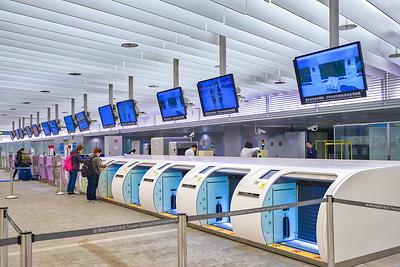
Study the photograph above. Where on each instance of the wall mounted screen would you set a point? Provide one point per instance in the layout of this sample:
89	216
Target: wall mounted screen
333	74
83	121
107	116
46	128
20	133
70	124
28	131
54	127
127	112
12	135
172	104
36	130
218	95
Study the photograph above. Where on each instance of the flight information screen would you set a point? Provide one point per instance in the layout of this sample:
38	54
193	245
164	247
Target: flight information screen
107	116
46	128
69	124
172	104
127	112
82	120
54	128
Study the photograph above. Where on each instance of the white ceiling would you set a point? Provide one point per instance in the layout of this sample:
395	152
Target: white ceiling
43	40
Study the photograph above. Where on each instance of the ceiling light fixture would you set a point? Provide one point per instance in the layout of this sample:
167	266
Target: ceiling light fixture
279	81
396	54
64	112
153	86
347	26
26	103
217	66
3	114
129	45
12	109
45	91
75	74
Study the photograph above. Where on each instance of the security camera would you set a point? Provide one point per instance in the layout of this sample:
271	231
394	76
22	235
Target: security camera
313	128
260	131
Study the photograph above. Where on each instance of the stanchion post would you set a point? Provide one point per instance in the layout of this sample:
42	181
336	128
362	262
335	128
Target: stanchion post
330	231
11	195
60	191
26	249
182	243
3	235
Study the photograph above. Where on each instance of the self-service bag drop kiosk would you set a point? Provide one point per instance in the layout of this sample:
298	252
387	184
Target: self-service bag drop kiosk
107	176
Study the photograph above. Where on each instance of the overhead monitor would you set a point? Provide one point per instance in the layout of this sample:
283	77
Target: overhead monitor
107	116
127	112
333	74
70	124
12	135
172	104
20	133
218	95
36	130
54	127
46	128
83	121
28	131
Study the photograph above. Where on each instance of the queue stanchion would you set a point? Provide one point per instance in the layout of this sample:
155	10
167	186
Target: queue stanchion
330	231
60	183
11	195
182	242
3	235
25	240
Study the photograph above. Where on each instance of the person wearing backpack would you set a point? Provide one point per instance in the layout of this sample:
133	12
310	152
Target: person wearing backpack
95	167
18	160
76	160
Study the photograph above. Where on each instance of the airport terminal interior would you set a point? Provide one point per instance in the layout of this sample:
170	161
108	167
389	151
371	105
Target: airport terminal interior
199	133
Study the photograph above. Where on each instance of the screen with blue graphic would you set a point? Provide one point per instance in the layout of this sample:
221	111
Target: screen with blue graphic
107	116
28	131
35	129
333	74
20	133
127	112
12	135
70	124
46	128
54	127
218	95
82	120
172	104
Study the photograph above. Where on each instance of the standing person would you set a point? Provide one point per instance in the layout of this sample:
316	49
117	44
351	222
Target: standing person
191	152
249	151
311	152
18	160
76	161
93	179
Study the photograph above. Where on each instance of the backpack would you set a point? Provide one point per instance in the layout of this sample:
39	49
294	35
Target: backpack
25	160
68	163
87	168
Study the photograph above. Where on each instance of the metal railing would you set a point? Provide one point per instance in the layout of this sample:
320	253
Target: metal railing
25	239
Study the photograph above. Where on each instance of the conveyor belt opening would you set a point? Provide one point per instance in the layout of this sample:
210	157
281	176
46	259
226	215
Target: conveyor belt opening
110	171
167	186
216	194
294	227
132	184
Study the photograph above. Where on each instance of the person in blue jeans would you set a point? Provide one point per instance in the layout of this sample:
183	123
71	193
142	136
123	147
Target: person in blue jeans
76	161
93	179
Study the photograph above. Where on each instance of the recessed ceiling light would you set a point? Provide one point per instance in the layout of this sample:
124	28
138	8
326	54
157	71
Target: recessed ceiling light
45	91
3	114
153	86
347	27
217	66
129	45
26	102
279	82
75	74
12	109
64	112
396	54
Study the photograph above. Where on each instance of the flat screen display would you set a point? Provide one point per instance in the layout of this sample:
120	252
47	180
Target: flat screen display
12	135
54	127
82	120
107	116
172	104
46	128
127	112
28	131
35	130
20	133
70	124
333	74
218	95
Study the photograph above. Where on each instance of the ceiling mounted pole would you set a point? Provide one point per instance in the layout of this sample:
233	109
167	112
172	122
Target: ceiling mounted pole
13	125
37	118
23	122
30	119
56	111
19	123
85	105
110	93
73	107
176	73
333	23
130	87
48	114
222	55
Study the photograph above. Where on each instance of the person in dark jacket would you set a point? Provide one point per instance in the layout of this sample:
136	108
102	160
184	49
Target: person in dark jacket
18	160
311	152
76	161
93	179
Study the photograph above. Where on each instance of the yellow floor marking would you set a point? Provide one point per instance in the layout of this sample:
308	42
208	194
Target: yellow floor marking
297	251
219	229
168	215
